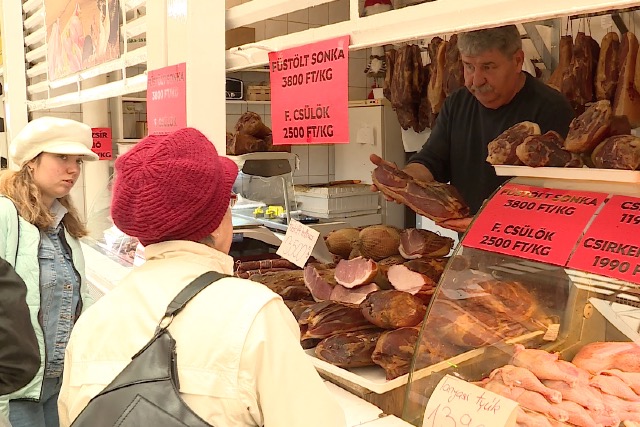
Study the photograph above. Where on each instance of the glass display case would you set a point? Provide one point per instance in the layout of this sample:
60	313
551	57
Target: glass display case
549	265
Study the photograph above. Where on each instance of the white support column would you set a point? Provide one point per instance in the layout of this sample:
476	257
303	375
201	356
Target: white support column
15	78
193	31
206	72
95	194
156	34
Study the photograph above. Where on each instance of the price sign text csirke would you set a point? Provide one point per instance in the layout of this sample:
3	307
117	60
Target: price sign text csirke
541	224
611	245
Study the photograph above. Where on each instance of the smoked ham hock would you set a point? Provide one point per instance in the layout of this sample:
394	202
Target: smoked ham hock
348	349
546	150
502	150
589	129
434	200
392	309
618	152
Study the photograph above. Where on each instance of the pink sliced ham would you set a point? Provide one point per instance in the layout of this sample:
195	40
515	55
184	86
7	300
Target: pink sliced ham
403	279
352	296
355	272
320	285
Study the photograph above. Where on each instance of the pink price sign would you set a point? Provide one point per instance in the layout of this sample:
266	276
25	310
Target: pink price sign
167	99
102	143
541	224
611	245
309	93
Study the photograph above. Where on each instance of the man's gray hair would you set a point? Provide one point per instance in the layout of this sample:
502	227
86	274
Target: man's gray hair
505	39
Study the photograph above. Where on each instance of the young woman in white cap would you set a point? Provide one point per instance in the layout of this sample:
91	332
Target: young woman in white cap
39	222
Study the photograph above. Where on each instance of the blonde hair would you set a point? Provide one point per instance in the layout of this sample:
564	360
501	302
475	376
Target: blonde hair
23	192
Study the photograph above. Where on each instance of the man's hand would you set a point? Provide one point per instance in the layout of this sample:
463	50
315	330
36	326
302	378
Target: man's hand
377	160
460	225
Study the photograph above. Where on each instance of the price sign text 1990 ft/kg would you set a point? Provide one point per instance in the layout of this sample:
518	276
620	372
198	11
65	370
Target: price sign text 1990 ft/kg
611	245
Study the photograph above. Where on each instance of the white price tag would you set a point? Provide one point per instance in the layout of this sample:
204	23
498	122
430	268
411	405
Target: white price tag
455	402
298	243
552	332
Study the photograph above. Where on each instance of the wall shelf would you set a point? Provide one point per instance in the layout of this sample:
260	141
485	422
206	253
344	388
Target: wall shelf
242	101
133	99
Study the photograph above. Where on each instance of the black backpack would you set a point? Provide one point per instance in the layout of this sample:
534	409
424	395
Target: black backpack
19	351
146	392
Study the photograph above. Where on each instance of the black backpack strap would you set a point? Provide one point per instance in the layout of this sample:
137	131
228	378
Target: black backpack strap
191	290
185	295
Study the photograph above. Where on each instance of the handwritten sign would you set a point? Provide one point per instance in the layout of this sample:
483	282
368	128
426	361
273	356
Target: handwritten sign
455	402
298	243
167	99
611	245
102	143
309	93
541	224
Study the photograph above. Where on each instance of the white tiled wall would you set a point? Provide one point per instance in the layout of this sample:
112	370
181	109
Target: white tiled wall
316	161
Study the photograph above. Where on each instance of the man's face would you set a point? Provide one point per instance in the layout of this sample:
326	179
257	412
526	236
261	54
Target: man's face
492	77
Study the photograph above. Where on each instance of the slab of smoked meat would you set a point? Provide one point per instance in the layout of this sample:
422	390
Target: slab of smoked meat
546	150
394	351
390	58
437	49
418	243
590	128
461	327
502	150
564	64
327	318
617	152
453	69
608	69
348	349
393	309
626	101
434	200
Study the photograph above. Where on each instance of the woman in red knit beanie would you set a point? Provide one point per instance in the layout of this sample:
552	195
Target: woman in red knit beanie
239	358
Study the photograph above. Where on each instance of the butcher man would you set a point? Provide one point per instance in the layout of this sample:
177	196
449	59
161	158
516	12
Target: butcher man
496	96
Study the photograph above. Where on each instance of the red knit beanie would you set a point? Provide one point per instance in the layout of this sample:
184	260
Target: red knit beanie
172	187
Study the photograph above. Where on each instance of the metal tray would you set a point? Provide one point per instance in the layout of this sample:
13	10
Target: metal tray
584	174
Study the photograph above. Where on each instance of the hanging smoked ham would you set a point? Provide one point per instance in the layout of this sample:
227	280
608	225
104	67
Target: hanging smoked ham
577	84
453	68
437	49
566	54
627	99
608	68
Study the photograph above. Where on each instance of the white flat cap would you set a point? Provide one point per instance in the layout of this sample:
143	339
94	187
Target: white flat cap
51	135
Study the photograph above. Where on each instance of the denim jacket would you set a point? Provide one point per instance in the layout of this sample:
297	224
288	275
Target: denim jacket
59	294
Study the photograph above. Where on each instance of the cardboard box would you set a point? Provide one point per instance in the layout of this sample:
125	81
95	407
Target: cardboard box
239	36
258	93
